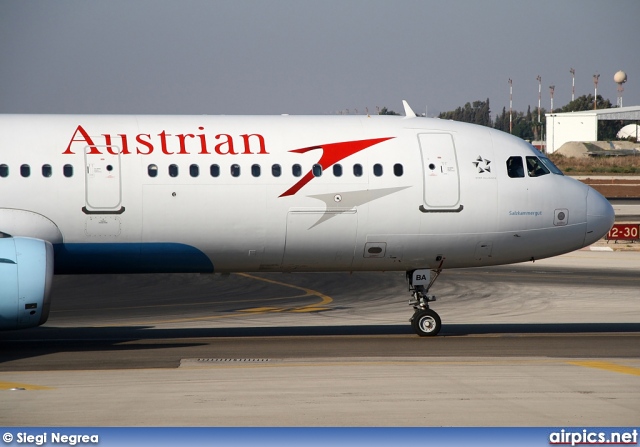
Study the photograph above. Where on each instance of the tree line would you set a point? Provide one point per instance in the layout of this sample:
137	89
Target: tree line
526	125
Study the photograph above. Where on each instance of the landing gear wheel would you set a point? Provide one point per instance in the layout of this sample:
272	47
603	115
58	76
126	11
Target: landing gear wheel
426	323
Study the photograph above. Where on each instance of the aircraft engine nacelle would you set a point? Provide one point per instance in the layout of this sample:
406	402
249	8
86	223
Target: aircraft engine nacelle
26	273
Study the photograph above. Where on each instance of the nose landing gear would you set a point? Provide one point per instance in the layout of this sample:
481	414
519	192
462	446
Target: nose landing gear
425	321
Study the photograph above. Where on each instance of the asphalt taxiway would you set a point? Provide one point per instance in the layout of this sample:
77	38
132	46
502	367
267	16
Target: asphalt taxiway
555	342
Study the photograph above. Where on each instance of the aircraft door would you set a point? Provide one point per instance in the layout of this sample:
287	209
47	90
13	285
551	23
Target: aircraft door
103	185
441	174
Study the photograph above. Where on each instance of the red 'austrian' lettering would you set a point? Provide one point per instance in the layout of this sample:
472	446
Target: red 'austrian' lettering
168	144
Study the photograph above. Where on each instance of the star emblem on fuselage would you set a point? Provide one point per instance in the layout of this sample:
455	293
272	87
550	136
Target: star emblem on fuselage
482	164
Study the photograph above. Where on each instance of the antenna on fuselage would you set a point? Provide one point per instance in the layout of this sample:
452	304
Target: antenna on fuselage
408	111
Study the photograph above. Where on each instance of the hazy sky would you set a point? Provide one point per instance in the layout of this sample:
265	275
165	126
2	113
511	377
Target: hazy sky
309	57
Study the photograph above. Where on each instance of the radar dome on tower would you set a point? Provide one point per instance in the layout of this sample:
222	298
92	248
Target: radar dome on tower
620	77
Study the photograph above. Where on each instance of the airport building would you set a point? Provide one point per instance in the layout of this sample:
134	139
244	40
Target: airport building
583	126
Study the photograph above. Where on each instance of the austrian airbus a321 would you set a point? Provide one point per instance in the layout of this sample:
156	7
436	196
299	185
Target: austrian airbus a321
154	194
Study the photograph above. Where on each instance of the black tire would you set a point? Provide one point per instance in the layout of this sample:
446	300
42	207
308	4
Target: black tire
426	323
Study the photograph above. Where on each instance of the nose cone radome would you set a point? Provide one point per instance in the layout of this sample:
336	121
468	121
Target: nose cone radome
600	217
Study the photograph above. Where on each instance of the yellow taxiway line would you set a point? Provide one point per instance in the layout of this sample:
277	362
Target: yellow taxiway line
22	386
608	366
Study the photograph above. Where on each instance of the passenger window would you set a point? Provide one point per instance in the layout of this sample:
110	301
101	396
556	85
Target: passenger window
152	170
515	168
357	170
4	170
377	169
25	170
337	170
276	170
535	168
317	170
194	170
296	170
214	170
173	170
255	170
235	170
67	170
398	170
47	171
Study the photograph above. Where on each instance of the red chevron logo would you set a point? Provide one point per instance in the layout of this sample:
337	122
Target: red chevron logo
332	153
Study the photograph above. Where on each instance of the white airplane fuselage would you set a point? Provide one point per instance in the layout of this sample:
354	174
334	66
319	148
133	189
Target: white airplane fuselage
127	194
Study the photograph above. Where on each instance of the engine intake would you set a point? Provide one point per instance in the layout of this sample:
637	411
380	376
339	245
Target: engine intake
26	274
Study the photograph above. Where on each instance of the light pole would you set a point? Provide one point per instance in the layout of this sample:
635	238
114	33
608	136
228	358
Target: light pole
573	84
510	103
595	95
539	78
551	90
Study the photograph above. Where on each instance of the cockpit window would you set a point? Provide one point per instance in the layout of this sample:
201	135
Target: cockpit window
515	168
535	168
549	164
